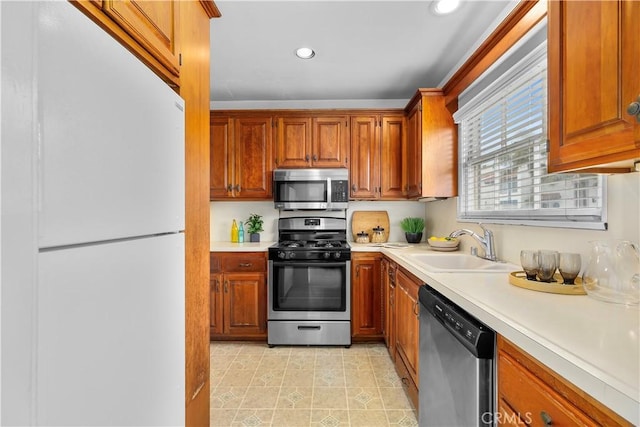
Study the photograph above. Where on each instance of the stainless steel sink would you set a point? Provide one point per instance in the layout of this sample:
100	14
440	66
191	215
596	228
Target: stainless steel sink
460	263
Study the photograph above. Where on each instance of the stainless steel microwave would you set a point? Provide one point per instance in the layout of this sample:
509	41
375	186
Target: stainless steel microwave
317	189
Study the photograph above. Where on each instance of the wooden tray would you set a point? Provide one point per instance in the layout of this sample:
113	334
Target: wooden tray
519	278
367	220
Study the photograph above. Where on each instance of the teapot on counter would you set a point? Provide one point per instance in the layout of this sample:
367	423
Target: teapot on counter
612	273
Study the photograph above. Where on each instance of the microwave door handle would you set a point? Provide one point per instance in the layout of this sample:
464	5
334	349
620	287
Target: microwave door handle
329	200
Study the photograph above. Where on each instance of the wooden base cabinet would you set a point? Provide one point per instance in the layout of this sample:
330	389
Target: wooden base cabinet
531	394
407	332
594	72
367	309
238	295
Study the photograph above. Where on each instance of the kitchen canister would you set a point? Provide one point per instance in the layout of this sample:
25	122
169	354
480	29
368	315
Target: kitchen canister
378	235
362	237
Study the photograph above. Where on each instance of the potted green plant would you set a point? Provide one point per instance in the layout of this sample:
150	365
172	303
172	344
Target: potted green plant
412	228
254	227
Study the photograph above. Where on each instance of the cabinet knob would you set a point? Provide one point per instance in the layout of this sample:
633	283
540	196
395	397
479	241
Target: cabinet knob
634	109
354	188
237	188
229	187
546	418
315	157
307	157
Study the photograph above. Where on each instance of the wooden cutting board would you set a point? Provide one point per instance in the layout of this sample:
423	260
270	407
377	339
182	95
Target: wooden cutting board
367	220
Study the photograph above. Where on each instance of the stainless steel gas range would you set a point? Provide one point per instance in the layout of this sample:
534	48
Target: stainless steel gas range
309	289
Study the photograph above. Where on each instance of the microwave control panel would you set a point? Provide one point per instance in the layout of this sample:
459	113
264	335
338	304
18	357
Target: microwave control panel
339	191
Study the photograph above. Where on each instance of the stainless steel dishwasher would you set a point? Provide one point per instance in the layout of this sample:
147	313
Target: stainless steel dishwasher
456	365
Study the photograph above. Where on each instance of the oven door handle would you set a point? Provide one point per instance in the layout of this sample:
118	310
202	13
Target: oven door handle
310	264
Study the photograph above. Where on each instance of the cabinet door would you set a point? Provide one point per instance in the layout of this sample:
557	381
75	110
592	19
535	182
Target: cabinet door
215	303
329	146
594	75
388	272
253	158
245	304
407	325
365	159
413	153
293	142
366	290
220	170
153	24
392	146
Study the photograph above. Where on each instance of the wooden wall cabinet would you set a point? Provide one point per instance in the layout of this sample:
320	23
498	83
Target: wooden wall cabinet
367	309
388	273
407	332
150	29
238	295
241	157
315	140
593	77
431	153
377	143
154	24
529	393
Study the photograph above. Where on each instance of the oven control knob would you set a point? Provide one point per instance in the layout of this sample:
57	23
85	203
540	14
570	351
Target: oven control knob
292	255
336	255
282	255
326	255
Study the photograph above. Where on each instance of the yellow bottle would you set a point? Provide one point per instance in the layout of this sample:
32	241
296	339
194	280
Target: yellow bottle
234	232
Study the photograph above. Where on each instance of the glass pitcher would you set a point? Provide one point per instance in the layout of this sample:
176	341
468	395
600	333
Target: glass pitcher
612	273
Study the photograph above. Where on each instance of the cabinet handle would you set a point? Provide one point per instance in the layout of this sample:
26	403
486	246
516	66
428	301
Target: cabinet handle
358	271
245	264
416	308
306	157
276	159
226	286
217	286
405	381
229	188
634	109
546	418
315	157
237	188
354	188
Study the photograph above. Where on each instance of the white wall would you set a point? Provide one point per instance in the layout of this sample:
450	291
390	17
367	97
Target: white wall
223	213
623	219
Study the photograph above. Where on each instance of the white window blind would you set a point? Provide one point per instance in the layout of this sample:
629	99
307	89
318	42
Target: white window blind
503	157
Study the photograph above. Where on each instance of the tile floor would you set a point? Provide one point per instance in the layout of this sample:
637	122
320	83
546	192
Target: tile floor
254	385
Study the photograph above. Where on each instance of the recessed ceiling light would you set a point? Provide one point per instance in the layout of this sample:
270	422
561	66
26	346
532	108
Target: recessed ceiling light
442	7
305	53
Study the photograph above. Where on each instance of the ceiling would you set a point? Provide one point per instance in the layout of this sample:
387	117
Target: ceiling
367	52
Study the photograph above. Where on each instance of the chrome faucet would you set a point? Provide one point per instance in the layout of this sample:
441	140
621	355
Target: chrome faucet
486	242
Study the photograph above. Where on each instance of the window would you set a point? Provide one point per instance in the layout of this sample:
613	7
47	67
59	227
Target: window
503	157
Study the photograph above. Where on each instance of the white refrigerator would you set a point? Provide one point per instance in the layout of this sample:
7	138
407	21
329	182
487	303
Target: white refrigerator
109	335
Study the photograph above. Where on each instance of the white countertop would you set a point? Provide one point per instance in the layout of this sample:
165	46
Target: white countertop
593	344
215	246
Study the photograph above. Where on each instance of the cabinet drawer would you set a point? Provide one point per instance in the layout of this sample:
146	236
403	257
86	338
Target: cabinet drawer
407	382
243	262
532	399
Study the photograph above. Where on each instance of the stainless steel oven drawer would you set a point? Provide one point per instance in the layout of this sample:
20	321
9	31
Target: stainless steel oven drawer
284	332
